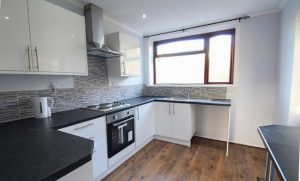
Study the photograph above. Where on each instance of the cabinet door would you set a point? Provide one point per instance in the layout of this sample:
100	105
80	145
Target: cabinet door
145	123
14	36
83	173
163	119
131	55
58	39
131	67
182	121
100	159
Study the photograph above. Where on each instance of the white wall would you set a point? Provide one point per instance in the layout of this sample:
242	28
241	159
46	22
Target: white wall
254	92
289	75
34	82
295	94
255	86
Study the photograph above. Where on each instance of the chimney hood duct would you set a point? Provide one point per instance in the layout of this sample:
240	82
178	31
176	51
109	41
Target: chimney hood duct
95	33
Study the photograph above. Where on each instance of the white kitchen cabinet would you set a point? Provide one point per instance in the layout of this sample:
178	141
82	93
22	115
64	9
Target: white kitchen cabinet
175	121
85	129
14	36
99	158
39	37
129	63
144	123
163	119
183	121
58	39
95	130
83	173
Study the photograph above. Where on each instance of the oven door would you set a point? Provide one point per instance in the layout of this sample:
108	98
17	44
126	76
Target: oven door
120	134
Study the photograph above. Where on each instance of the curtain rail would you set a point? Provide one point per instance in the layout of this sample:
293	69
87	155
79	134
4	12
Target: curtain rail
199	26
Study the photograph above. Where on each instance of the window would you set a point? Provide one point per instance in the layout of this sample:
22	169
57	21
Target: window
199	59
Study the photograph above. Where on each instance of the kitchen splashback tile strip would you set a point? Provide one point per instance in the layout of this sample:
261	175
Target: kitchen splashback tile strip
92	89
88	90
196	92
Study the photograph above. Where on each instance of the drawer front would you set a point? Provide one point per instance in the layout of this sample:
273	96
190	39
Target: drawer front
86	128
98	137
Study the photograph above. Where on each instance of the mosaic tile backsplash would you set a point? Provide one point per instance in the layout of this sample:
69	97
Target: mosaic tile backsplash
88	90
194	92
92	89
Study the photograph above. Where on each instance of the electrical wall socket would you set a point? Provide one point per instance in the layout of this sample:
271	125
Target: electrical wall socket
56	85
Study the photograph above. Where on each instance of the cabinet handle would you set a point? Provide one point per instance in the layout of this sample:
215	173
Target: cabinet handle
124	70
37	58
90	124
28	56
169	109
173	109
138	113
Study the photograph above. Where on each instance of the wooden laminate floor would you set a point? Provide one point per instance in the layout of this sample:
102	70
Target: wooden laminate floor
205	160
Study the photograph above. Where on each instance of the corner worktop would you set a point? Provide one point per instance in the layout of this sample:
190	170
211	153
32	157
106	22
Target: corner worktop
32	149
69	118
282	145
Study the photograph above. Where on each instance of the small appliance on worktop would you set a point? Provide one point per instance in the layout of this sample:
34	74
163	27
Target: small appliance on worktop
41	108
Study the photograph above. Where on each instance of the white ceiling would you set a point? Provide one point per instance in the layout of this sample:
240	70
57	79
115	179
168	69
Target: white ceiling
165	15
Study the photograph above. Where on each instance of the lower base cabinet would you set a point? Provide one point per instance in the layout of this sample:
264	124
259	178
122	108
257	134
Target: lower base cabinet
95	130
83	173
144	123
175	121
99	160
169	121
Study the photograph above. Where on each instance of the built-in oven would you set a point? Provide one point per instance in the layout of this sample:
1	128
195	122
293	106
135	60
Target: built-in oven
120	131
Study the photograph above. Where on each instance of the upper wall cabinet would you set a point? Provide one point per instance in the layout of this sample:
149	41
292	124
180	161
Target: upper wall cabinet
58	38
129	64
14	36
41	38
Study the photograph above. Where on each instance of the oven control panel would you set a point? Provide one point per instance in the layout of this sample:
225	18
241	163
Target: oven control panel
119	115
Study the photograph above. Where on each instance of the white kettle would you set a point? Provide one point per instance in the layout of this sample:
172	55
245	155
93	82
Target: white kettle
41	108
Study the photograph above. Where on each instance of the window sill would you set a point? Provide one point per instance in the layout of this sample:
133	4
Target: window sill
192	85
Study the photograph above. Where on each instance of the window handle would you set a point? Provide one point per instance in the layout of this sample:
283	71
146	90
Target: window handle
124	70
28	54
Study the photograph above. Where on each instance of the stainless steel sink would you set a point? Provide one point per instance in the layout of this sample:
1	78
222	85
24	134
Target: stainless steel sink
174	98
187	99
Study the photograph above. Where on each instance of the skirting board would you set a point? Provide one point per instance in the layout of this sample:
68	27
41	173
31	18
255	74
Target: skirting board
235	142
176	141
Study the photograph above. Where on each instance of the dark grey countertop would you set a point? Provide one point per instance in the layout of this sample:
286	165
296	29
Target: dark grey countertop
68	118
214	102
282	143
32	149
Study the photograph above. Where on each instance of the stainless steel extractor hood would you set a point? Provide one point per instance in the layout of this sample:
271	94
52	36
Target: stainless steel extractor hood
95	33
